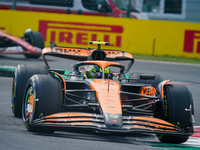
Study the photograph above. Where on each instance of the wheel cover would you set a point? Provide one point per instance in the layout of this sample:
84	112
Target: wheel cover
29	104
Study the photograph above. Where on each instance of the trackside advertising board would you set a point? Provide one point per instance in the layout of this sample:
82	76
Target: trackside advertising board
131	35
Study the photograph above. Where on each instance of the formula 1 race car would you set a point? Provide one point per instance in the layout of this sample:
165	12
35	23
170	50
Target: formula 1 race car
31	44
97	94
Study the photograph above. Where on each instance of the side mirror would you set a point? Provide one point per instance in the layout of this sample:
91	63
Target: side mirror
147	77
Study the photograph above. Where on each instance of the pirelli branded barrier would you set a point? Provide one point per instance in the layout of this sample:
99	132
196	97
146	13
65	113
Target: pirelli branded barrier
135	36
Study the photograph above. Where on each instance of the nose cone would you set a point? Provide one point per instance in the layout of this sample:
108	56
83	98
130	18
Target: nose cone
108	95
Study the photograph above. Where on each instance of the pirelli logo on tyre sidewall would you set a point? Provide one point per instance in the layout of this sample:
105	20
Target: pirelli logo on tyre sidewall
78	33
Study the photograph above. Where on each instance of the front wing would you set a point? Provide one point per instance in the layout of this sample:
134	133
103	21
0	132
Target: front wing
131	124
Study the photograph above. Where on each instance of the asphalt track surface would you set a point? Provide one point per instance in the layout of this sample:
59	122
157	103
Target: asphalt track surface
13	134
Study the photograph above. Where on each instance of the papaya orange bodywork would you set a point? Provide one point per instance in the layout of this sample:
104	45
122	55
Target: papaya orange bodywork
72	114
65	118
108	95
109	101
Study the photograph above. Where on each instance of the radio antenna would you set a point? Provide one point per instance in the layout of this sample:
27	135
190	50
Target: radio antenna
108	84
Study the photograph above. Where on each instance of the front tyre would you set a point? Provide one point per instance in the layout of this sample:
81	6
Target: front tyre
178	111
22	74
42	97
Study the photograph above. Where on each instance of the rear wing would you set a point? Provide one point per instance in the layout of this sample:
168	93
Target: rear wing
84	54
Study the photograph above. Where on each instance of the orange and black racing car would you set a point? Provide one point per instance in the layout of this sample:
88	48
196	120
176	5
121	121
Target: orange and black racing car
99	95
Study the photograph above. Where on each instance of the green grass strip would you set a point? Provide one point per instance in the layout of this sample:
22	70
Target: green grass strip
167	58
7	71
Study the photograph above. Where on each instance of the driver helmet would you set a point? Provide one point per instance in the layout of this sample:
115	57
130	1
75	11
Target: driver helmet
95	72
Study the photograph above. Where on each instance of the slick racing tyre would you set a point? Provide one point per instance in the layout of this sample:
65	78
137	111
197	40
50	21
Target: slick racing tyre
36	39
42	97
154	83
178	111
22	74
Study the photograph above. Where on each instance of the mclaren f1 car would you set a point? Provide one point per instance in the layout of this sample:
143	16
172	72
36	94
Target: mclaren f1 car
31	44
106	100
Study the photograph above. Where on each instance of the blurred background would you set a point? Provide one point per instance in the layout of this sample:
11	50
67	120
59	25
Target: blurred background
150	27
175	10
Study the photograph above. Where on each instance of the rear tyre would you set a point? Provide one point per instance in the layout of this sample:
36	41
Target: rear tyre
36	39
153	83
177	99
22	74
42	97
